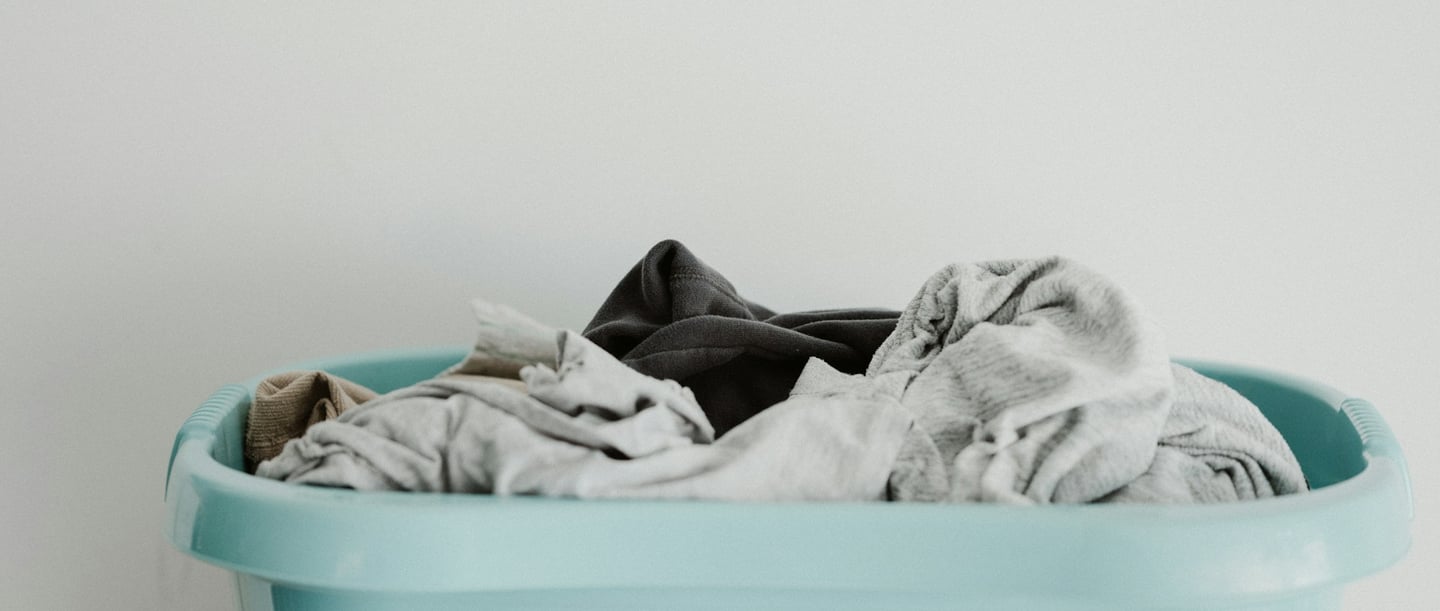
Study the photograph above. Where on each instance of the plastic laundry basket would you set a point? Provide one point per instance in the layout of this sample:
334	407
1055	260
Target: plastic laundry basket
300	547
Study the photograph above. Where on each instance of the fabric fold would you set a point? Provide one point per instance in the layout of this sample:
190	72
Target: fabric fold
593	428
1216	446
674	317
1040	381
506	341
1037	382
1010	381
286	404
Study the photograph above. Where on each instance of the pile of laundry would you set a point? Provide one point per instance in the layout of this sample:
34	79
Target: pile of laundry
1019	381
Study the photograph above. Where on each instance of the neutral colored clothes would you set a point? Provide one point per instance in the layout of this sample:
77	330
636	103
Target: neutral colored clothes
286	404
593	428
917	473
674	317
635	415
1035	382
1041	382
1216	446
1016	381
506	341
514	383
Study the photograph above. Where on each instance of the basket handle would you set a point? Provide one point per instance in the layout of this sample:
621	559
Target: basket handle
1378	439
204	423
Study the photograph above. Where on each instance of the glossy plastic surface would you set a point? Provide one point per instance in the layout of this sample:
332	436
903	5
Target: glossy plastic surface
298	547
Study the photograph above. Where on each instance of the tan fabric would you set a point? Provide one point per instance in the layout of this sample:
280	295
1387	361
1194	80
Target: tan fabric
288	403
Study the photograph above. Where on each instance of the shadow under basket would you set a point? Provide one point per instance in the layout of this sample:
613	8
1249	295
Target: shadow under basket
301	547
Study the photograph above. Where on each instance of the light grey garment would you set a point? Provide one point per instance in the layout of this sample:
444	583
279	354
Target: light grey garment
510	382
594	389
1216	446
918	474
1034	382
594	428
506	342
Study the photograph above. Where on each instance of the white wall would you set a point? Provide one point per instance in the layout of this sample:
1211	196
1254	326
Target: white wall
193	192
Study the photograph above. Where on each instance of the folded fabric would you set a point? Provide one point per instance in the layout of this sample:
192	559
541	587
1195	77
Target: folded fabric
1042	382
673	317
594	392
591	427
916	474
506	341
1035	381
1216	446
286	404
514	383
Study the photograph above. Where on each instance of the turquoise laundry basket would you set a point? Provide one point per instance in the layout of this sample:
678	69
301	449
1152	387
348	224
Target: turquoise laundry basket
299	547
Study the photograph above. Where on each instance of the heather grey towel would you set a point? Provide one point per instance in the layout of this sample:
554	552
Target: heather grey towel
1034	381
593	428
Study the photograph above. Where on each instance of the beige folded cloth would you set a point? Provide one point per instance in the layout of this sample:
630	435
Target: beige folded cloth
288	403
507	342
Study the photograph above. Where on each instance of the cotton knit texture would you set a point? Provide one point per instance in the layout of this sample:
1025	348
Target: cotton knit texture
674	317
506	341
1040	381
593	428
1216	447
286	404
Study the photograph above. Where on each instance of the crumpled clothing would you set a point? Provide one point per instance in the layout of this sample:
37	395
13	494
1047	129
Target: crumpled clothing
674	317
599	393
506	341
1042	382
1216	447
592	428
286	404
1035	381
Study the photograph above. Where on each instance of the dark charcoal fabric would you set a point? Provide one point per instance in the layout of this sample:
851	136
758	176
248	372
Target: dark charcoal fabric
673	317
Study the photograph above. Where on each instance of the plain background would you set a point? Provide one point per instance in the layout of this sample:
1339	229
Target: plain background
196	192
